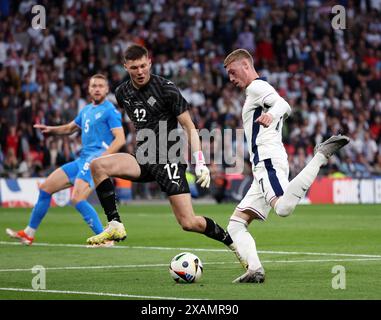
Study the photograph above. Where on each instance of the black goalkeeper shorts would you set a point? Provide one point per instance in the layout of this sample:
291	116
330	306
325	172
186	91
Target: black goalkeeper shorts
170	177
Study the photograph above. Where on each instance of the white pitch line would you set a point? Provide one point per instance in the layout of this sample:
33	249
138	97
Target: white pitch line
320	260
128	266
93	267
123	295
41	244
323	254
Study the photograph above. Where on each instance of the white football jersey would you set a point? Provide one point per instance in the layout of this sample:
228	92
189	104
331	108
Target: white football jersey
264	143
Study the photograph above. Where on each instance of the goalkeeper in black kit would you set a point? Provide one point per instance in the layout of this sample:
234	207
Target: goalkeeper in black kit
151	101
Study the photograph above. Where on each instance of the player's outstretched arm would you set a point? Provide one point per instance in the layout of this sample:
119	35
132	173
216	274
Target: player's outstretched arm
201	170
58	130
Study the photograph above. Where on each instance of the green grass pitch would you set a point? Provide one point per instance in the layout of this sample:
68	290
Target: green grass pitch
298	253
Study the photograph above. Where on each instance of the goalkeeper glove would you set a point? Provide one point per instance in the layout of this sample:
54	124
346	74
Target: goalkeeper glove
201	170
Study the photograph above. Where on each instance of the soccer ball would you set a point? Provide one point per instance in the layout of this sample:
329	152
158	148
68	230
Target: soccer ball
186	267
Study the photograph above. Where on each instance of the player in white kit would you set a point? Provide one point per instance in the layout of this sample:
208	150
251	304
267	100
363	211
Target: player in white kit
263	114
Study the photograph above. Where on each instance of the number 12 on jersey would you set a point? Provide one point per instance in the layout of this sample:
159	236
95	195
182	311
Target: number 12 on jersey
175	168
140	115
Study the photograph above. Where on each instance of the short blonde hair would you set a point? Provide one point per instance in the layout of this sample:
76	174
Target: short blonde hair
99	76
238	54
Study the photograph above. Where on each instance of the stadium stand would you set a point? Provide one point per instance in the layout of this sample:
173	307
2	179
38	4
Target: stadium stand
331	78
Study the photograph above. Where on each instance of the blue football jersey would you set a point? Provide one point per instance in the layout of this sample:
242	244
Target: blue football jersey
96	123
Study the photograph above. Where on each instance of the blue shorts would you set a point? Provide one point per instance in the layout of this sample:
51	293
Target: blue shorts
79	169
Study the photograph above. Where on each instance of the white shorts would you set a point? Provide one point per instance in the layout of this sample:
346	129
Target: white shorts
270	181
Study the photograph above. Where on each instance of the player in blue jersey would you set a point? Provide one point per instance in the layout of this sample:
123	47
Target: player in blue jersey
102	134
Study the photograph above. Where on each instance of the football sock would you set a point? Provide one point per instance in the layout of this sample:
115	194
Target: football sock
297	188
244	242
214	231
90	216
40	209
30	232
107	198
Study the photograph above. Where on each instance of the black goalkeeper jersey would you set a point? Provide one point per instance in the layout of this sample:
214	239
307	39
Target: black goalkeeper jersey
154	106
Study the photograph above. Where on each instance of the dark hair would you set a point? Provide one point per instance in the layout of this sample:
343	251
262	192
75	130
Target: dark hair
135	52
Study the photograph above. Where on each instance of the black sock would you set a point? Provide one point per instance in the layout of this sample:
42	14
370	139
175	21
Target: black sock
214	231
107	198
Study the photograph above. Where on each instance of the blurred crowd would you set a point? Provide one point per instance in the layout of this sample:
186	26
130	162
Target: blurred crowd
331	78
